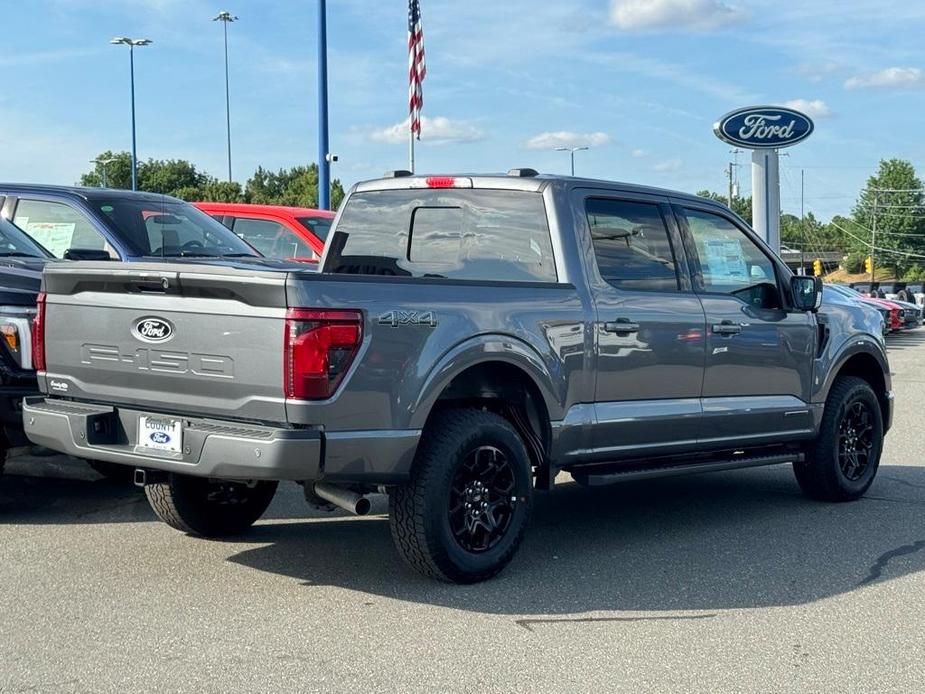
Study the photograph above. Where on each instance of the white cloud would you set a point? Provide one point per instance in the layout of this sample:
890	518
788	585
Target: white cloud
699	15
565	138
817	72
668	166
638	153
814	108
437	131
890	78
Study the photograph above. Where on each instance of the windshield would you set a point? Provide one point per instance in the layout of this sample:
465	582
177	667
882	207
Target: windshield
170	229
319	226
15	242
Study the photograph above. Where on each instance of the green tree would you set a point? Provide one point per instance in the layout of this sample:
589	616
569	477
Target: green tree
297	186
222	191
741	206
118	169
894	197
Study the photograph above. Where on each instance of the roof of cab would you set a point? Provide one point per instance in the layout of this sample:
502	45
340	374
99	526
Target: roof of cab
83	192
529	183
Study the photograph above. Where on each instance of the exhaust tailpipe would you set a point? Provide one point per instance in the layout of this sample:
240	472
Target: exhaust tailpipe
351	502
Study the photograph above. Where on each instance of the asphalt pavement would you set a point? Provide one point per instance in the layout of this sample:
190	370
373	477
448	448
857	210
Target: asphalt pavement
729	582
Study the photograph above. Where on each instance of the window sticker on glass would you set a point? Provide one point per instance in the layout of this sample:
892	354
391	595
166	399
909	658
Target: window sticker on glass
55	236
725	260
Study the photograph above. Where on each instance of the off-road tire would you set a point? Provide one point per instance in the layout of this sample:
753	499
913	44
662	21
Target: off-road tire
197	505
113	471
419	511
821	476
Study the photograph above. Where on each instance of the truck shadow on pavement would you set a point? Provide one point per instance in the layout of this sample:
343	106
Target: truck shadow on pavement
730	540
59	490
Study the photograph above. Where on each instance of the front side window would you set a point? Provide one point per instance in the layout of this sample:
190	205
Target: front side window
631	245
59	227
445	233
319	226
729	262
271	238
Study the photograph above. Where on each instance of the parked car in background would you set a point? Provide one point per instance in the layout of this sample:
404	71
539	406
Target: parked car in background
106	224
871	289
890	316
286	233
911	313
21	263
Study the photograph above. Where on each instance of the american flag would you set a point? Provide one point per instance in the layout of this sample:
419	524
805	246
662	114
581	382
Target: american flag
417	70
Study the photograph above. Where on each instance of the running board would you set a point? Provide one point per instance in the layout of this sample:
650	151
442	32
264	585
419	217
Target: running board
647	473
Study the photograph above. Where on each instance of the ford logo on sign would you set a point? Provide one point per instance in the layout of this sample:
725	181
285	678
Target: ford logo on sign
160	437
764	127
152	329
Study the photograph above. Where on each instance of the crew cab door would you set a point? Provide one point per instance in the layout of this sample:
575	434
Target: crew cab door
759	356
649	328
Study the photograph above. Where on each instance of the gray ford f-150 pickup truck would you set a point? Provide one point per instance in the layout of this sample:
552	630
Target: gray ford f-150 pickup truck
468	338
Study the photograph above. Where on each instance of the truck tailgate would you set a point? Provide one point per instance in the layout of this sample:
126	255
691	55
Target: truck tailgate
167	338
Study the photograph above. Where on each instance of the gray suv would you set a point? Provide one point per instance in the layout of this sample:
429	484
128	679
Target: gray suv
468	338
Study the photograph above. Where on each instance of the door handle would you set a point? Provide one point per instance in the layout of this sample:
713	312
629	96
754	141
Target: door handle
727	327
621	326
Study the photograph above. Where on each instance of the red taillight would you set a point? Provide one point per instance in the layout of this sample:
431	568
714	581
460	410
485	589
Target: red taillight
441	182
38	334
318	349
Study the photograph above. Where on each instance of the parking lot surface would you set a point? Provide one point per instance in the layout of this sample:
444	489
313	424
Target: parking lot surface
723	582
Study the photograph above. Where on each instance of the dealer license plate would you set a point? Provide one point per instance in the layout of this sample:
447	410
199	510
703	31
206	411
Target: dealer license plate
160	433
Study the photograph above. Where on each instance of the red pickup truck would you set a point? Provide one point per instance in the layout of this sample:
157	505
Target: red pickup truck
288	233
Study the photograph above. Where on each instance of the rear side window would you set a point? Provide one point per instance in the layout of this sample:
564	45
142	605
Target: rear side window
450	233
631	245
271	238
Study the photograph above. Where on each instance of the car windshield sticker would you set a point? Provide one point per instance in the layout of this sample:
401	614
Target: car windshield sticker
55	236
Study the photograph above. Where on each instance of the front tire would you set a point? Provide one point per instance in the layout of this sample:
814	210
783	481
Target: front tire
842	462
209	508
462	515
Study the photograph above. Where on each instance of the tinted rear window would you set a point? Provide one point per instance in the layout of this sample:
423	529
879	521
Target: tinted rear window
319	226
453	233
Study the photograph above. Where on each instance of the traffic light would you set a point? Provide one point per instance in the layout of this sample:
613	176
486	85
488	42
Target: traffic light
817	267
868	264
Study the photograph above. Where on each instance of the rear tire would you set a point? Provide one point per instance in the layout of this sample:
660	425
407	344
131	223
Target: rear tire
842	462
209	508
462	515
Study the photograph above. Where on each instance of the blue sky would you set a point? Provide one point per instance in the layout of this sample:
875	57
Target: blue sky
640	81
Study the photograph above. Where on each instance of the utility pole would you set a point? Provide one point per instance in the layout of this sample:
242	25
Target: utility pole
324	162
873	239
802	220
731	175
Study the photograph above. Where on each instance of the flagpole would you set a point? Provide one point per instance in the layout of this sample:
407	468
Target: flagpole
410	148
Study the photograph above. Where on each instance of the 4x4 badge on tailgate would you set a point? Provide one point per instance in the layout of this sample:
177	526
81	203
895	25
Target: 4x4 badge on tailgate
397	318
151	329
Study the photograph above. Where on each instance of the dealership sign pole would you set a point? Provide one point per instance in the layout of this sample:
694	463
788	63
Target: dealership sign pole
765	130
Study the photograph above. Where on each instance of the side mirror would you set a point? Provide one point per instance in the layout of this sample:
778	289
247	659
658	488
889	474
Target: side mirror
86	254
807	292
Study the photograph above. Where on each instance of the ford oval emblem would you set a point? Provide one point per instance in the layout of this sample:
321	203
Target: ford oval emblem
159	437
764	127
152	329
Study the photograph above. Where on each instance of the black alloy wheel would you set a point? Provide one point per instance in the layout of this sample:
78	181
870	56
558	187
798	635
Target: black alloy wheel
482	499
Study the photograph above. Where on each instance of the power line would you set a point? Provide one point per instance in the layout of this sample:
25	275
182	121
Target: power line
877	248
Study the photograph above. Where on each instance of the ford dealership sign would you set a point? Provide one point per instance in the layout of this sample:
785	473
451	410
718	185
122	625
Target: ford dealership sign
764	127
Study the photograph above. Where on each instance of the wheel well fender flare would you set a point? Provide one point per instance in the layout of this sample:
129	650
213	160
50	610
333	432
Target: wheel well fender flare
484	349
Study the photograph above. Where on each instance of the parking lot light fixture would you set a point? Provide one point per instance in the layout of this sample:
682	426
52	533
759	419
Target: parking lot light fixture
571	151
132	44
226	18
103	163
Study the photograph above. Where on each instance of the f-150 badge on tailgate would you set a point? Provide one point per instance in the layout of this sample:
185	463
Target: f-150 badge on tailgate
397	318
152	329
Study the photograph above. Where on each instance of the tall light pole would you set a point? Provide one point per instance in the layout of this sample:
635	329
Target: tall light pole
132	43
103	163
571	151
324	163
226	18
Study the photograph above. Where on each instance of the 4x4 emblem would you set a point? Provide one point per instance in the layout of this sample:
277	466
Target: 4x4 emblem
397	318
